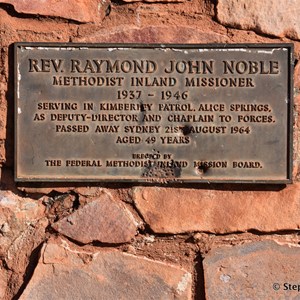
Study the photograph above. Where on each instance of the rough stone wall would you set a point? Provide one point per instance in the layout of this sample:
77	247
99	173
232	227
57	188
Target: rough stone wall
137	242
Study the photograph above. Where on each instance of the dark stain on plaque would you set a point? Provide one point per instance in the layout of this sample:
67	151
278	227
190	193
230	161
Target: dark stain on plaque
186	129
202	169
166	170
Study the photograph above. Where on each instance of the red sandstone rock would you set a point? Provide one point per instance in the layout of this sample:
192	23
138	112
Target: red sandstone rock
154	34
267	17
89	191
17	214
80	10
22	229
63	273
297	99
252	271
3	110
43	190
153	1
2	151
103	220
3	283
297	77
173	210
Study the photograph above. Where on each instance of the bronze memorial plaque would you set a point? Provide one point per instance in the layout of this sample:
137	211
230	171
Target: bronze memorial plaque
153	113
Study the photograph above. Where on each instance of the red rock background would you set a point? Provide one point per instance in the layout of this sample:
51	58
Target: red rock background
136	242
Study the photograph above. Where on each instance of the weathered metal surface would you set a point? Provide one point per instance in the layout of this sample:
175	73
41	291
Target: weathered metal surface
193	113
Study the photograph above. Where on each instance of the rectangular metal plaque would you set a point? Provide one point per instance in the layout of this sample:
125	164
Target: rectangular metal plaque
162	113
